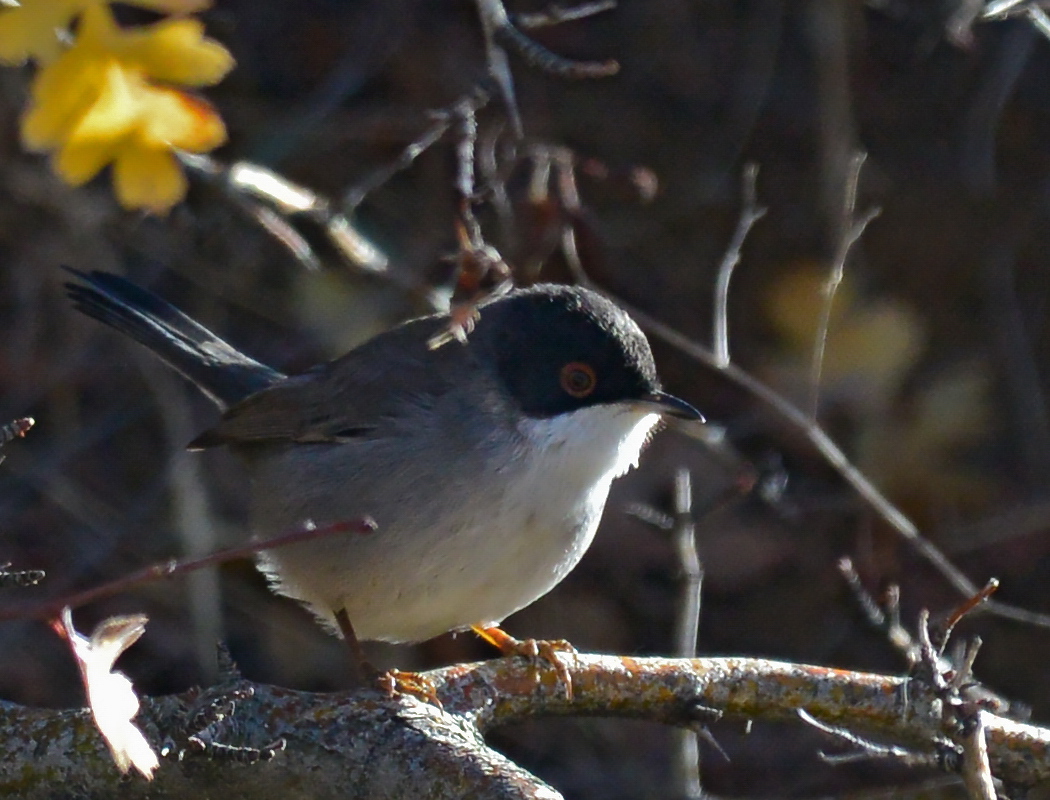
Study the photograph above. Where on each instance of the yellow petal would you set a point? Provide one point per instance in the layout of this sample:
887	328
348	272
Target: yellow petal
148	178
176	51
117	109
97	29
30	30
175	119
77	162
62	93
171	6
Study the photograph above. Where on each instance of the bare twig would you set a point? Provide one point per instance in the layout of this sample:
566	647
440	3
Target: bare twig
192	517
442	121
481	271
278	205
688	620
867	749
1039	19
976	768
539	57
51	608
944	631
889	620
867	603
19	578
750	213
499	33
852	229
15	429
831	452
1000	9
555	14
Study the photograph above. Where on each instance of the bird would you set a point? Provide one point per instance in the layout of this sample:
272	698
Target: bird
486	464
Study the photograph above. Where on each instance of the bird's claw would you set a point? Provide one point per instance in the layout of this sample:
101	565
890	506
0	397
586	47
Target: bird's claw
545	652
397	683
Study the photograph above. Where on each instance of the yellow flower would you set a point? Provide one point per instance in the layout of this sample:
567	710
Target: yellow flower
97	105
31	29
172	6
36	28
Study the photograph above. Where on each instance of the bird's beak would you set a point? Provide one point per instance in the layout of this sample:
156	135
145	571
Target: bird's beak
664	403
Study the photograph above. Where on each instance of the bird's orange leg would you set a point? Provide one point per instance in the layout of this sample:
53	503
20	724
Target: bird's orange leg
542	650
393	681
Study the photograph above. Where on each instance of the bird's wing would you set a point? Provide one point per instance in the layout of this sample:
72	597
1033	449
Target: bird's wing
347	397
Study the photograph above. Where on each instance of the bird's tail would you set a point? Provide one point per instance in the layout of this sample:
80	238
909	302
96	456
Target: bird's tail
223	373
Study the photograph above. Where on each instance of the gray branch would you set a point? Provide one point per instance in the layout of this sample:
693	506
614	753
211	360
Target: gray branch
366	745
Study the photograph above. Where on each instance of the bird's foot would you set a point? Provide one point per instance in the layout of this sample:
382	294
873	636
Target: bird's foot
540	652
397	683
393	681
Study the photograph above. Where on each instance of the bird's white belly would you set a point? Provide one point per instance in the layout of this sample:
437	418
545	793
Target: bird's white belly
492	549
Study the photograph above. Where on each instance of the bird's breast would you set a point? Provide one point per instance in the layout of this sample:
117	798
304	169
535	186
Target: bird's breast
488	533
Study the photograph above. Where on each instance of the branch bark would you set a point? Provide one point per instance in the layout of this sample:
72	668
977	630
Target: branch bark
364	744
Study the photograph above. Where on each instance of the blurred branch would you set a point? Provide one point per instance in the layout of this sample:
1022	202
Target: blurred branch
688	620
682	527
364	744
555	14
1031	9
983	114
829	39
795	418
50	609
192	517
750	213
851	229
15	429
282	207
500	33
19	578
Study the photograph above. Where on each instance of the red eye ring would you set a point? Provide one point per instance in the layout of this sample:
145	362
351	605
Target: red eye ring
578	379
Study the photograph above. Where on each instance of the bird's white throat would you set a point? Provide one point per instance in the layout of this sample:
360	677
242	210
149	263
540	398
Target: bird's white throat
593	443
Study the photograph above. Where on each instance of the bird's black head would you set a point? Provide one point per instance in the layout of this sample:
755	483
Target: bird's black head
560	348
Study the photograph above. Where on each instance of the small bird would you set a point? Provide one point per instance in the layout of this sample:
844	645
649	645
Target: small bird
485	464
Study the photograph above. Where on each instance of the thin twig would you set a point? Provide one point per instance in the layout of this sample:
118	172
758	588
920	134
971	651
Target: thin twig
555	14
867	748
1039	19
51	608
889	620
539	57
876	617
831	452
278	205
967	607
688	620
499	33
1003	8
852	230
750	213
443	120
15	429
192	516
19	578
976	769
481	271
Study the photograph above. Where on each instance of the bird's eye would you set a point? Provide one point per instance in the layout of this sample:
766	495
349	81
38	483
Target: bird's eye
578	379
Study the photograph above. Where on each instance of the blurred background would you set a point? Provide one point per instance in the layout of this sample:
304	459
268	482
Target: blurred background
935	378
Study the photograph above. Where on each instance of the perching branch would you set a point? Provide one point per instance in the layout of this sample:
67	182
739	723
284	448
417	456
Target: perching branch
364	744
